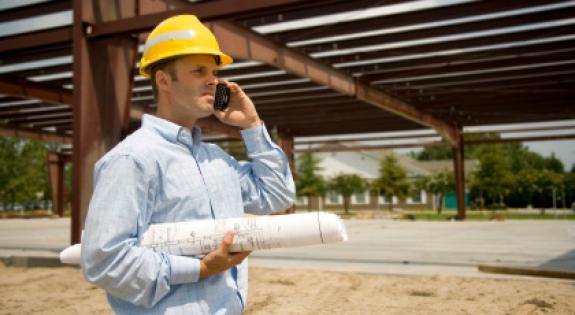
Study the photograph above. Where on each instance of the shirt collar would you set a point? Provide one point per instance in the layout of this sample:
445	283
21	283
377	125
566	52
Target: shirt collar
171	131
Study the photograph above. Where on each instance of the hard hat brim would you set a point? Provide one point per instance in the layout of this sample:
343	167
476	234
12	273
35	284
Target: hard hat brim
145	65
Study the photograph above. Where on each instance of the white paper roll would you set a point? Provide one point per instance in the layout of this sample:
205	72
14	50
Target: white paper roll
251	233
71	255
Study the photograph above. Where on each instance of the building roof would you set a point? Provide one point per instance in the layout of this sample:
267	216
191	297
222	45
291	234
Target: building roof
367	163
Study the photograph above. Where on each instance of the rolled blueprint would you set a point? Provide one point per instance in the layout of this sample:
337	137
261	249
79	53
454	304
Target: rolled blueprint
250	233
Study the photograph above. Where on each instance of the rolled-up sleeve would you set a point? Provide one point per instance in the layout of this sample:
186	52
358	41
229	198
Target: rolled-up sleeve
111	257
266	181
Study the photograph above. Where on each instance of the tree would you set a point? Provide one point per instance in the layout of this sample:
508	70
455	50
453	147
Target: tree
8	170
521	158
438	184
554	164
308	182
493	180
392	180
23	172
547	181
446	153
433	153
347	185
569	187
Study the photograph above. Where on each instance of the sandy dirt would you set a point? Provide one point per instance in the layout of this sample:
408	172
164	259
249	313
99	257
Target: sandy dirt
64	291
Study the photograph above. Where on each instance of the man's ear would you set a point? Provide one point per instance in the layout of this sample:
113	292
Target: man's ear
163	80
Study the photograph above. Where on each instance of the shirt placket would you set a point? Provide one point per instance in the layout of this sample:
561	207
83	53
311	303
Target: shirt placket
197	153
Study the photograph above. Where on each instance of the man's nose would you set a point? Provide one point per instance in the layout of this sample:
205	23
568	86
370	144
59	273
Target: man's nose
213	80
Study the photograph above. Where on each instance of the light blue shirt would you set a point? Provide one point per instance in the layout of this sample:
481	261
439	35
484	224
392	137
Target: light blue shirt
165	173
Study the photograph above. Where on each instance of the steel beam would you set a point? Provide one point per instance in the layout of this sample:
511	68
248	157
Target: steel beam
246	44
514	130
380	138
464	43
441	70
43	52
37	39
429	15
35	90
375	147
154	13
28	133
317	8
41	118
448	30
103	71
29	11
534	49
34	113
425	144
523	139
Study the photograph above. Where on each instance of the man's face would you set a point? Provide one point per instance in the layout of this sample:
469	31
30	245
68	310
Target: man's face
193	89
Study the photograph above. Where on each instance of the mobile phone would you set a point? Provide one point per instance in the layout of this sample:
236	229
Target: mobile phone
222	97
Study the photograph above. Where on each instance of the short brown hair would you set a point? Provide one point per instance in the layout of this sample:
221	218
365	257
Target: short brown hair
168	66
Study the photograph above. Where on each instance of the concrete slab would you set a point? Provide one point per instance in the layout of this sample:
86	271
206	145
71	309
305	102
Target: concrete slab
378	246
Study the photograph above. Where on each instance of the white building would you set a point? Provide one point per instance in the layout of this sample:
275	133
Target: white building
366	164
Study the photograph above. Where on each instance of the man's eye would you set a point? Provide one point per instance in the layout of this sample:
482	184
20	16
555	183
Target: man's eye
215	73
199	71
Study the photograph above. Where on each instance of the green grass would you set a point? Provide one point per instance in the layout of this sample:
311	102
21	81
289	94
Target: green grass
431	215
499	215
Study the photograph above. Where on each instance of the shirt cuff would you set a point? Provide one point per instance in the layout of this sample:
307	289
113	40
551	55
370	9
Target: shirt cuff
257	139
183	269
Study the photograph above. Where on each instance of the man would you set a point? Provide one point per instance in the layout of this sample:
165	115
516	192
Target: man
164	173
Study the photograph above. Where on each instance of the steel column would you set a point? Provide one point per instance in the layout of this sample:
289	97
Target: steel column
286	143
56	166
458	169
102	91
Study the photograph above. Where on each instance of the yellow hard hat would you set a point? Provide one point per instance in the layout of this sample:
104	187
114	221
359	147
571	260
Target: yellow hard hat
177	36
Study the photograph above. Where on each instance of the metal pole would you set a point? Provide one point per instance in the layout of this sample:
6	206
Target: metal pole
554	198
458	169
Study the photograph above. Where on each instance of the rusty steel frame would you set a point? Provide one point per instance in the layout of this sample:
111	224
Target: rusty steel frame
246	44
105	36
103	71
154	13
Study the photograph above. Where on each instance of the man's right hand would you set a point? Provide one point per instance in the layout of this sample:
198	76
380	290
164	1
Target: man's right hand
221	259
